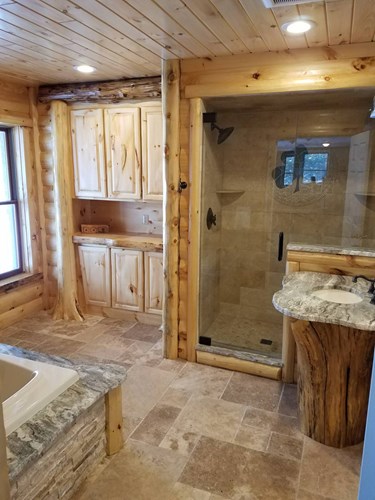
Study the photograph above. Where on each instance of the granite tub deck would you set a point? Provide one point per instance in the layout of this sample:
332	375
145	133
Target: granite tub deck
34	438
335	250
295	300
335	345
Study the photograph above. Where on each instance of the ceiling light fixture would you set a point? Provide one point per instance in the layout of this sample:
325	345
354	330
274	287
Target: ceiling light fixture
84	68
326	144
298	27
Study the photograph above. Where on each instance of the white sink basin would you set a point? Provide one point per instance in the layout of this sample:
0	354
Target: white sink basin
336	295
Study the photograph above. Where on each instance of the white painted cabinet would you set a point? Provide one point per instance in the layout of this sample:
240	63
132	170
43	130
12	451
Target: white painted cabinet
123	151
153	282
152	153
88	153
127	279
95	268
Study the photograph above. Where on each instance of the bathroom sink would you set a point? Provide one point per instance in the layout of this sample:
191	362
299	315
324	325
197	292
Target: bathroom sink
337	296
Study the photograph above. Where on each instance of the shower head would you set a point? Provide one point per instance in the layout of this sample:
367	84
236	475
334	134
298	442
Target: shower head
224	133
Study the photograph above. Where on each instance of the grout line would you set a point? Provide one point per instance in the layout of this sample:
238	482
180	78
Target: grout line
269	440
226	385
300	468
280	398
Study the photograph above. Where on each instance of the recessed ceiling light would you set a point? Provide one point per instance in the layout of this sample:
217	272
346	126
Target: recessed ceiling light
326	144
84	68
298	27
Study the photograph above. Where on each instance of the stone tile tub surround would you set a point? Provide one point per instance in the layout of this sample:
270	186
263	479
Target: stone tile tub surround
295	300
30	441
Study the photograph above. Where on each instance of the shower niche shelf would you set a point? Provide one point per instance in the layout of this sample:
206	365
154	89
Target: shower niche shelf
230	191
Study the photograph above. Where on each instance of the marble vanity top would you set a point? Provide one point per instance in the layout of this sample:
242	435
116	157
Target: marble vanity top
30	441
296	300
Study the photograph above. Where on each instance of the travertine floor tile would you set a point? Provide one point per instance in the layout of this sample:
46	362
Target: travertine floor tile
330	471
285	446
59	346
305	495
139	472
272	421
288	403
201	379
172	365
252	437
183	491
134	352
146	333
176	397
142	389
100	351
114	341
34	337
180	441
156	424
211	417
236	472
253	391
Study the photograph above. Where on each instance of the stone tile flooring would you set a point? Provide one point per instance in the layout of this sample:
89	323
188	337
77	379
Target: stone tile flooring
195	432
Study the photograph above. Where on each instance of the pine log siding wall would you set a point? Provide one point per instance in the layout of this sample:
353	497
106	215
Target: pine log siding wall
17	108
46	161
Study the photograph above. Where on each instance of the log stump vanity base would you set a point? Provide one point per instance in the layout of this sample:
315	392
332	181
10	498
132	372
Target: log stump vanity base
334	374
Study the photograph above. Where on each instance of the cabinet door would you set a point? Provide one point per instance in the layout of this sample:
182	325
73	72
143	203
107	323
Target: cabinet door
88	153
122	127
95	267
127	279
154	279
152	153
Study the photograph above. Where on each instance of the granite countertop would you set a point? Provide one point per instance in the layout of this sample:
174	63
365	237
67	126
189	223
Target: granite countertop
295	300
355	251
30	441
138	241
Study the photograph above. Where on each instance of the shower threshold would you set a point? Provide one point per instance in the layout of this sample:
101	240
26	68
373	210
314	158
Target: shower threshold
243	355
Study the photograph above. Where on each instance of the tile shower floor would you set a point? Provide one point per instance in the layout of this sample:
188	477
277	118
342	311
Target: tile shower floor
193	431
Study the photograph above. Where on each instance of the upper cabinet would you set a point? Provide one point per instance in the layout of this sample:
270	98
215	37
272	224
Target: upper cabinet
88	153
152	153
123	150
118	153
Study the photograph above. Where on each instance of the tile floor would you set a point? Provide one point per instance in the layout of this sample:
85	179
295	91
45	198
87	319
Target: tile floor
193	431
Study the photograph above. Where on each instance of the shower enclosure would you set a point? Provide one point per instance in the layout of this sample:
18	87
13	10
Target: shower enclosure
295	168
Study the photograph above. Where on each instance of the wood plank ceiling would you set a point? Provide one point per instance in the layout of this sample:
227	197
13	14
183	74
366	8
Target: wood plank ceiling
41	40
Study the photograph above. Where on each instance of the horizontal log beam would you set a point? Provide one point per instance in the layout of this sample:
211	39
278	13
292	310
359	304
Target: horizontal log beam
103	92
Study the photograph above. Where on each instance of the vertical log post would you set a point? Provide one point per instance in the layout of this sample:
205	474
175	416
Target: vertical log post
66	306
171	203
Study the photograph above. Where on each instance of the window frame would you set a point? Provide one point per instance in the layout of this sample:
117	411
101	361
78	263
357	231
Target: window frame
14	201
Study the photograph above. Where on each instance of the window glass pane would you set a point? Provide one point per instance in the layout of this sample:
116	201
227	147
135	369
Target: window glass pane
289	170
5	192
9	259
315	167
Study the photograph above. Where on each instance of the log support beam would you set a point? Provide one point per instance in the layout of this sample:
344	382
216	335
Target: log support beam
334	375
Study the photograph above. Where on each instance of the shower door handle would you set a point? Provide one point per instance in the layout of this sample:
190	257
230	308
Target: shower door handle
281	247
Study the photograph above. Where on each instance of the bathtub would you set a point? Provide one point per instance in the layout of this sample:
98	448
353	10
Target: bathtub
28	386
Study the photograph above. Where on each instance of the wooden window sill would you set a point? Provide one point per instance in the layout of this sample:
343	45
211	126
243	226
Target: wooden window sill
19	280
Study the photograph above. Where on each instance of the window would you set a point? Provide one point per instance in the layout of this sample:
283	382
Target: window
10	246
313	167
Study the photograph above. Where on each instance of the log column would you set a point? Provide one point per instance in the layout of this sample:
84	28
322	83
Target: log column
67	303
334	365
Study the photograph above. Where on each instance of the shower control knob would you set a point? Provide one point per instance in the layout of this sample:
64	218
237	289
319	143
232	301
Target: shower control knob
210	219
182	185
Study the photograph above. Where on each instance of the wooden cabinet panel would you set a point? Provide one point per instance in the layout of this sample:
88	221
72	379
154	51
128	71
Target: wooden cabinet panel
95	267
88	153
123	140
154	279
152	153
127	279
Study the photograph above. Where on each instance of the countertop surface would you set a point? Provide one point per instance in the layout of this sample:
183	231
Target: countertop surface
336	250
295	300
30	441
136	241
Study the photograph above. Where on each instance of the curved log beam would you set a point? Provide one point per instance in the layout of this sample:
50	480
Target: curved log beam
334	374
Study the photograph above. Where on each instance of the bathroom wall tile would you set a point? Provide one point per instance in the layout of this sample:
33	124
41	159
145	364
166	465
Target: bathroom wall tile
202	380
180	441
253	391
252	437
272	421
211	417
285	446
156	424
330	472
235	472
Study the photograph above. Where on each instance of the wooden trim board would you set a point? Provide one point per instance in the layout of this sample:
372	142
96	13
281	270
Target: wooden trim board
239	365
113	420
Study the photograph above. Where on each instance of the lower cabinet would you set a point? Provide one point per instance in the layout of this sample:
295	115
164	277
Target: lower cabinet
122	278
127	279
95	267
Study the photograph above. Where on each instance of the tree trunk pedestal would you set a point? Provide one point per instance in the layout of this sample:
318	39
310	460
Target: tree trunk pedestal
334	375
